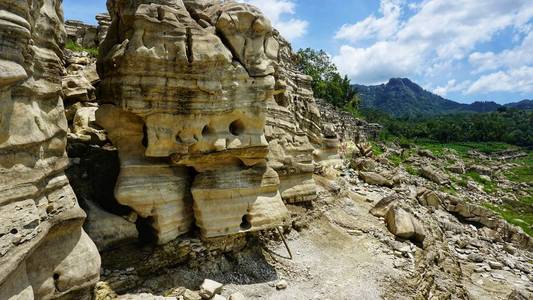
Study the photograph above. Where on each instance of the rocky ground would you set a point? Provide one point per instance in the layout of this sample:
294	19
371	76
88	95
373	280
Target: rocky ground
446	246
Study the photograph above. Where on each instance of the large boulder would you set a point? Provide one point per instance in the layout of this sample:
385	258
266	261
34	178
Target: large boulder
403	225
376	179
434	175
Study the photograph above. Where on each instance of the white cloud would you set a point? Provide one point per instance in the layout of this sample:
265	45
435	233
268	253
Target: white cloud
277	11
510	58
438	35
515	80
371	27
451	86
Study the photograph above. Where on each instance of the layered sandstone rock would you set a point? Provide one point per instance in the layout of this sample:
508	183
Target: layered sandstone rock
293	128
104	21
81	33
44	253
182	100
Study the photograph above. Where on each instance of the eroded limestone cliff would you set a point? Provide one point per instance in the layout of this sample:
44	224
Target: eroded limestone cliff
41	239
202	104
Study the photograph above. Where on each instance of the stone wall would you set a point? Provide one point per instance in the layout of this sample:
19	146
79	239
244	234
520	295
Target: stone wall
44	252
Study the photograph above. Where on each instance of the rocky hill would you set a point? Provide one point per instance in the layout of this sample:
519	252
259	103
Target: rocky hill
401	97
190	160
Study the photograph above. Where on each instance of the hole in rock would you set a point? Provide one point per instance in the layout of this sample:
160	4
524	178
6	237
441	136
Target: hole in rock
14	231
282	100
145	136
236	127
56	276
206	130
178	139
145	229
245	224
71	84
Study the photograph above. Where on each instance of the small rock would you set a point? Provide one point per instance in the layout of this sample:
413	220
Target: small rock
475	257
209	288
218	297
495	265
282	284
190	295
237	296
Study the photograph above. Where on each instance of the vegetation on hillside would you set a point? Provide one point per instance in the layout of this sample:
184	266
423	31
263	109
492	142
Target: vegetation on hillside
327	83
71	45
505	126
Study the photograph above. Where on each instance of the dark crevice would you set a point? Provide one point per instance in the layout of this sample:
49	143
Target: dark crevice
188	49
245	224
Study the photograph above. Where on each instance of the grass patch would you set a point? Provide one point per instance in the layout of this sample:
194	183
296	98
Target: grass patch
71	45
514	215
376	149
395	159
463	148
411	170
488	185
524	172
449	190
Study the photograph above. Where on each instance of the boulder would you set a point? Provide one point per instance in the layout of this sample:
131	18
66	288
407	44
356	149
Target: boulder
210	288
426	153
282	284
429	198
382	207
375	179
399	223
482	170
457	168
403	225
434	175
108	230
363	164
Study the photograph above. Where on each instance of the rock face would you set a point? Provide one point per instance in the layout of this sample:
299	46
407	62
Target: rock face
348	128
44	252
88	36
82	34
185	89
292	129
104	21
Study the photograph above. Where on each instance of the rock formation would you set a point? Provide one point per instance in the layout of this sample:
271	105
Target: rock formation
185	89
292	129
104	21
82	34
44	252
88	36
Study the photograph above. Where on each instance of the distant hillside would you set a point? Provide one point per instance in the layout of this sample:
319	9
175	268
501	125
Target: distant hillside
402	97
524	104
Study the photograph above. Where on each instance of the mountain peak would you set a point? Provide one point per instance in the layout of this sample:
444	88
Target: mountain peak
403	97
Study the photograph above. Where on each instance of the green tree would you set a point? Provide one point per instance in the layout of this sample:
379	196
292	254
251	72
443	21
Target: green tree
327	83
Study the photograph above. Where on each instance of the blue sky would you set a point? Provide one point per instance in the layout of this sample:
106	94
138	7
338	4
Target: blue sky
464	50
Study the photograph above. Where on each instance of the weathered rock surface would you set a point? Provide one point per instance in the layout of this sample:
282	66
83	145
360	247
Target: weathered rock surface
349	129
434	175
292	128
44	252
178	97
82	34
